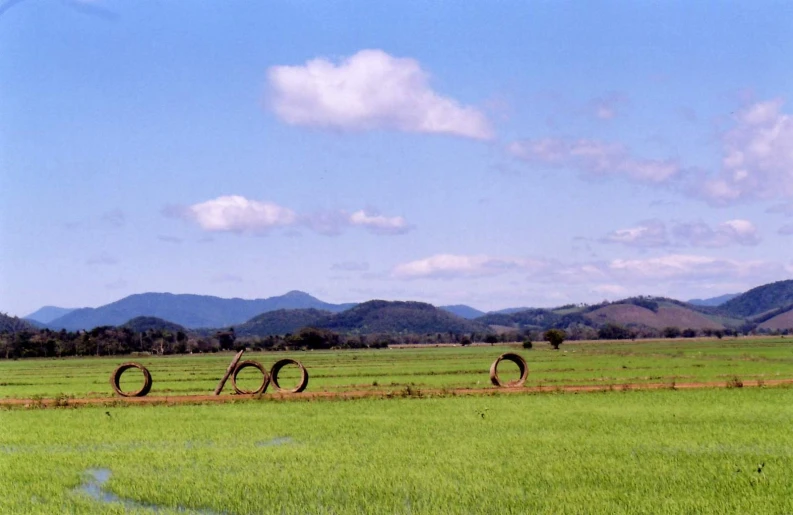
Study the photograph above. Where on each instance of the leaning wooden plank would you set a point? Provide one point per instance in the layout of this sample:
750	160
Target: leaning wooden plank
232	366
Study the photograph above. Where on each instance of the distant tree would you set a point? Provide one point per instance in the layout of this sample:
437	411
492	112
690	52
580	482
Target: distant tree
465	341
689	333
612	331
491	339
555	337
671	332
226	339
527	344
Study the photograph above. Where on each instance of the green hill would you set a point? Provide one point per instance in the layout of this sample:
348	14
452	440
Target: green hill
13	324
280	322
760	300
143	324
380	316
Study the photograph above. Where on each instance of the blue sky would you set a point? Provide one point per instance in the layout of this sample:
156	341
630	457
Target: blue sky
488	153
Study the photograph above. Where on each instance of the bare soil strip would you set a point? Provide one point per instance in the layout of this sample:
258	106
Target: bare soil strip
359	394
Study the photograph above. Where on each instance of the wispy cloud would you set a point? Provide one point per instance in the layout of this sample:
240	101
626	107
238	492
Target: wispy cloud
369	90
595	158
786	230
785	209
227	278
650	233
653	233
450	266
608	106
615	275
350	266
731	232
237	214
101	259
115	218
169	239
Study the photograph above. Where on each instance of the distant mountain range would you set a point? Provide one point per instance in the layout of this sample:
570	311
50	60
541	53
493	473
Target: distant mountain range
714	301
463	311
47	314
191	311
769	306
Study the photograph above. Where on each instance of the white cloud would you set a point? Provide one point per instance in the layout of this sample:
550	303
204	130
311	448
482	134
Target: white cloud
688	267
651	233
757	158
448	266
235	213
655	275
595	158
786	230
369	90
732	232
379	224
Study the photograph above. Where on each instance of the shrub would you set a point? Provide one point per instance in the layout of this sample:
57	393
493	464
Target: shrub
527	344
555	337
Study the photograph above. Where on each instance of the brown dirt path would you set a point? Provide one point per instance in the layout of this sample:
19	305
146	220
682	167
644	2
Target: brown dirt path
359	394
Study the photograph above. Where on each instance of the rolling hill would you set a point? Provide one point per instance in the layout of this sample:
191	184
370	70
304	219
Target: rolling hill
143	324
779	322
665	315
762	299
191	311
380	316
280	322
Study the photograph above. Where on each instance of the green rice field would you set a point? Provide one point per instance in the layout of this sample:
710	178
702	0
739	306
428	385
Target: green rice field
385	370
710	450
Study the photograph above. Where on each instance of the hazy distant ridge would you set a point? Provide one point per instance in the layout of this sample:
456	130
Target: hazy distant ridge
192	311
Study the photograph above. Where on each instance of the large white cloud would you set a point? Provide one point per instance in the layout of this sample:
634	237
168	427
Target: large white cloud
757	157
595	158
235	213
369	90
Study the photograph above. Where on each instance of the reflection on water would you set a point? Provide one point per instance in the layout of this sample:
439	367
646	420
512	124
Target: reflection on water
280	440
96	479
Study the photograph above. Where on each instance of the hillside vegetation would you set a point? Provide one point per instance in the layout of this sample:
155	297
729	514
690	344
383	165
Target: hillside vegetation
280	322
13	324
380	316
761	299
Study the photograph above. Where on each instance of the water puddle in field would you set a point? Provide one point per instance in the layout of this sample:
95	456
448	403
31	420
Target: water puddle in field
93	487
281	440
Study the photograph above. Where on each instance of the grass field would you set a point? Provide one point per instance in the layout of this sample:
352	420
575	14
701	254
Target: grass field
595	363
660	451
716	450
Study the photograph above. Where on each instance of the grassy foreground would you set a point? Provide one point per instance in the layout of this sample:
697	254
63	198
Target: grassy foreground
585	363
665	451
